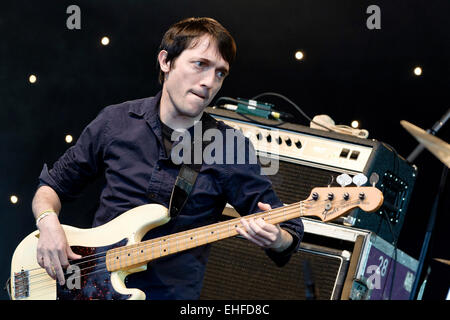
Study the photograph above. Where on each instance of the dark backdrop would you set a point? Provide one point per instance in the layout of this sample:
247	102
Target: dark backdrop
349	72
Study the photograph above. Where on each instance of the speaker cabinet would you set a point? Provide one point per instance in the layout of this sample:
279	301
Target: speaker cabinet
333	263
237	269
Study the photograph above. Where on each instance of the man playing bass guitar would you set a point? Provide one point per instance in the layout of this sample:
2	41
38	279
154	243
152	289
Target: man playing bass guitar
130	144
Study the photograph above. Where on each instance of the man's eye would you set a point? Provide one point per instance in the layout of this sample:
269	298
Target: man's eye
221	74
199	63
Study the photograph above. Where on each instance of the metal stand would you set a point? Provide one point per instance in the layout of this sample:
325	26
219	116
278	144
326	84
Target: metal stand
430	227
432	218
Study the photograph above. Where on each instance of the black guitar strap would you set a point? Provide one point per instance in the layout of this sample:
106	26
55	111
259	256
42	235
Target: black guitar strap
188	173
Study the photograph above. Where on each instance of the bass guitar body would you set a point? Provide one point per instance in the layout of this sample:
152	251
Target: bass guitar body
89	278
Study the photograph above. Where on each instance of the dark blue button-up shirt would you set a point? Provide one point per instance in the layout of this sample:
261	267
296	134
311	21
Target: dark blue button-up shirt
125	144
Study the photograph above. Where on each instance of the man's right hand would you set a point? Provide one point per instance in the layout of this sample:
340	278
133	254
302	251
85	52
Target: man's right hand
53	251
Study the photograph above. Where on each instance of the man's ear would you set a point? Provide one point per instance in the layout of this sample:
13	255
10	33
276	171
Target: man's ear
164	65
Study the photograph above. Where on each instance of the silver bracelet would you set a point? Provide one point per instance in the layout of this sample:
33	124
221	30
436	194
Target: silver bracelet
43	215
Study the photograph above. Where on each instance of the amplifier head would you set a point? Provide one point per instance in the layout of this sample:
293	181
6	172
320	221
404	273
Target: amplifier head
308	158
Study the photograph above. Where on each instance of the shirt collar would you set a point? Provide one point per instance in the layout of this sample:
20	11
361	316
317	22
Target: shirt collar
148	108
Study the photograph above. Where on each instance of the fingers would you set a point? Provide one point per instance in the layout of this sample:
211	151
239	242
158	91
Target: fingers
264	206
48	267
40	259
250	235
60	259
53	257
53	262
72	255
259	232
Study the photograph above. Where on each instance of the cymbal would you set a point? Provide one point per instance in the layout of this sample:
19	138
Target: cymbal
442	260
436	146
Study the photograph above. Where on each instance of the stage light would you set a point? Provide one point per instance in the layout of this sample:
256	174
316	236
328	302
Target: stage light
105	41
69	138
417	71
355	124
299	55
32	78
13	199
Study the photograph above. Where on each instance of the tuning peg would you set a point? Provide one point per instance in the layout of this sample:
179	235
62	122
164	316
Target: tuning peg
374	178
359	179
344	180
330	181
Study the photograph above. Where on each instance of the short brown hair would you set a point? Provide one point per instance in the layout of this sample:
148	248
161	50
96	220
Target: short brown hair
181	34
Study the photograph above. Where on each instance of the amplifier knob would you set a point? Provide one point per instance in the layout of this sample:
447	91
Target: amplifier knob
279	141
298	144
315	196
269	138
288	142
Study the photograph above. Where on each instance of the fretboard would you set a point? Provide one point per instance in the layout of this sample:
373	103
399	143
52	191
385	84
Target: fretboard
138	254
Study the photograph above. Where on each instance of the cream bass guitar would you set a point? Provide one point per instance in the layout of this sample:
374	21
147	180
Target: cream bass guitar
114	250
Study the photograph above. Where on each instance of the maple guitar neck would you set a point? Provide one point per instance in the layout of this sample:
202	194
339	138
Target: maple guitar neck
324	203
143	252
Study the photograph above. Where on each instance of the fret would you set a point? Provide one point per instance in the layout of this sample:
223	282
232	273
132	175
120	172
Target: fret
301	208
153	251
128	256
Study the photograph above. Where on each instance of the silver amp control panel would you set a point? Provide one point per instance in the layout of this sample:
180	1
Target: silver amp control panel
304	147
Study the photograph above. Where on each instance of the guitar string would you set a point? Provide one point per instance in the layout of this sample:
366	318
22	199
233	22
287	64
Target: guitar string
272	214
101	253
51	286
269	213
156	243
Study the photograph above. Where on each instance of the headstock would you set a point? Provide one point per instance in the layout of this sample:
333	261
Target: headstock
330	203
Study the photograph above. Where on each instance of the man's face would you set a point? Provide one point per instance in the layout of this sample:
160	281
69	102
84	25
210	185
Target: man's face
194	77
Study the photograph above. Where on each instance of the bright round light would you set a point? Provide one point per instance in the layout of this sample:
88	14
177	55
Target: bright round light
417	71
69	138
105	41
14	199
355	124
32	78
299	55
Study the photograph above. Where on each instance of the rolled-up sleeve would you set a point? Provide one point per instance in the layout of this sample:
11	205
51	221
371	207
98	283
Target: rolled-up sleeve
80	164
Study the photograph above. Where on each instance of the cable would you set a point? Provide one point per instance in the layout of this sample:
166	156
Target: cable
243	102
396	169
253	106
332	128
293	104
395	256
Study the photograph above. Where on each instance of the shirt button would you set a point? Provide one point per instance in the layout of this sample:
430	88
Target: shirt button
152	195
